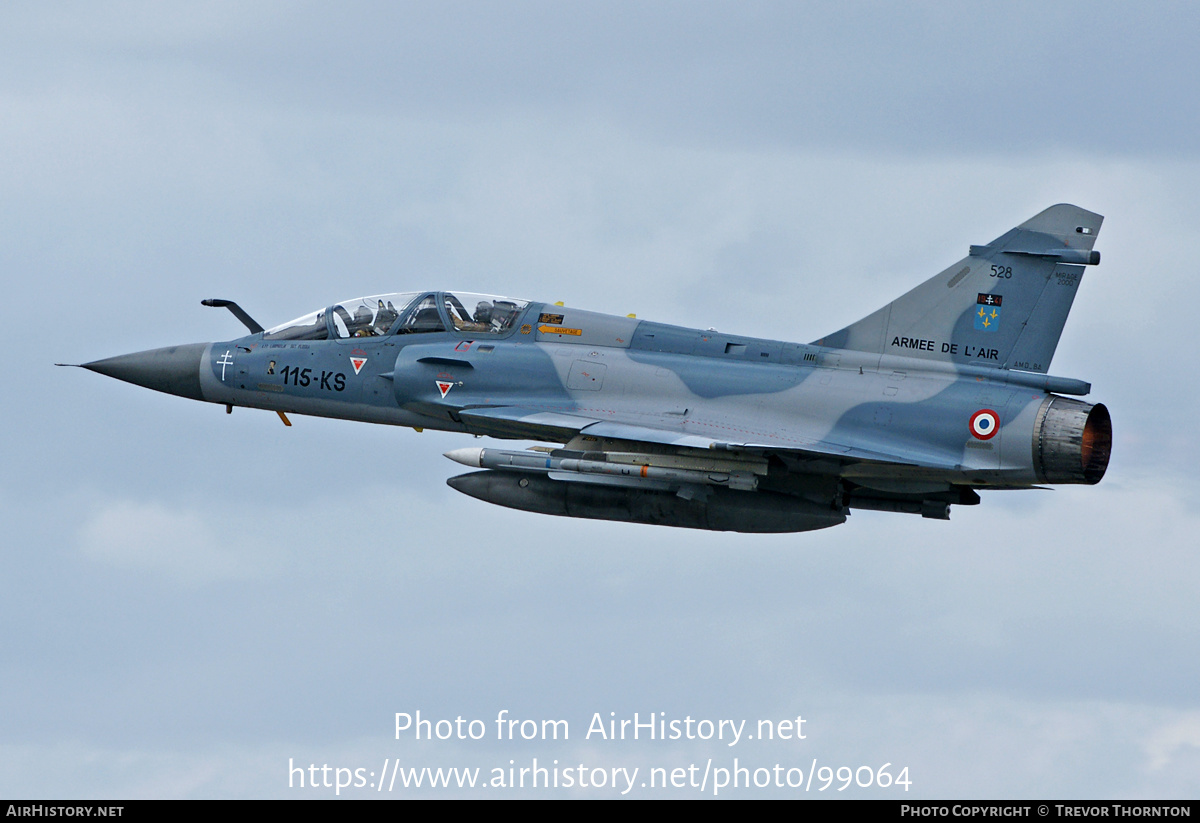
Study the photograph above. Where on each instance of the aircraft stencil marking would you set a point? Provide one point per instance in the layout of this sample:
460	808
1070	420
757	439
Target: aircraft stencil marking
692	428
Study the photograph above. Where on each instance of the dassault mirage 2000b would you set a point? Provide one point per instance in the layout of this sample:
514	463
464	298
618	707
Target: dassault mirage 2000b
915	408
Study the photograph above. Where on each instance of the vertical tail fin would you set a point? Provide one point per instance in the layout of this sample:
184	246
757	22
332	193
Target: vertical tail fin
1003	305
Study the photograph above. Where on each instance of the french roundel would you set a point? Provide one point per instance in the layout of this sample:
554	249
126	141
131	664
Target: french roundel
984	424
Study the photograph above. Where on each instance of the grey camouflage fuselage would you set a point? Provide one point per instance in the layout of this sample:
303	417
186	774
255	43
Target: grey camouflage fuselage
939	394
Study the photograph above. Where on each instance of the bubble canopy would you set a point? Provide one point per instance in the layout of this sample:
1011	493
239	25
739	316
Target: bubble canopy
404	313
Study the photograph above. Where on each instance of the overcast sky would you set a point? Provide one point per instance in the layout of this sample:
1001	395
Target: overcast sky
193	600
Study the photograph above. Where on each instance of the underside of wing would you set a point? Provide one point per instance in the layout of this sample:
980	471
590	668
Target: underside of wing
520	423
512	422
612	469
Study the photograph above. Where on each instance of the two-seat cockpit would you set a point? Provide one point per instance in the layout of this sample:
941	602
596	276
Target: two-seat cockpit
405	313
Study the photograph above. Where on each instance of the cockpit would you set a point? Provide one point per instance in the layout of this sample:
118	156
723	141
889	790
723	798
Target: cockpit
405	313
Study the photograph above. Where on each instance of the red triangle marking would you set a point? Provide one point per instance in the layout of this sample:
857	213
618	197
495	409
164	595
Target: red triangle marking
444	387
358	363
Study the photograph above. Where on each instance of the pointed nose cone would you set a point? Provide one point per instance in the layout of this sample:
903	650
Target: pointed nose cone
468	457
174	370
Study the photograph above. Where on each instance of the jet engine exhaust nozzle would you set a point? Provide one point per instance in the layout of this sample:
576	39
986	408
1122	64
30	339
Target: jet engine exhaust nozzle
1072	441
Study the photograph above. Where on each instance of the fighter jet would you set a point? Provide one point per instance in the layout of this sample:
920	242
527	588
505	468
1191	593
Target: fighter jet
939	395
